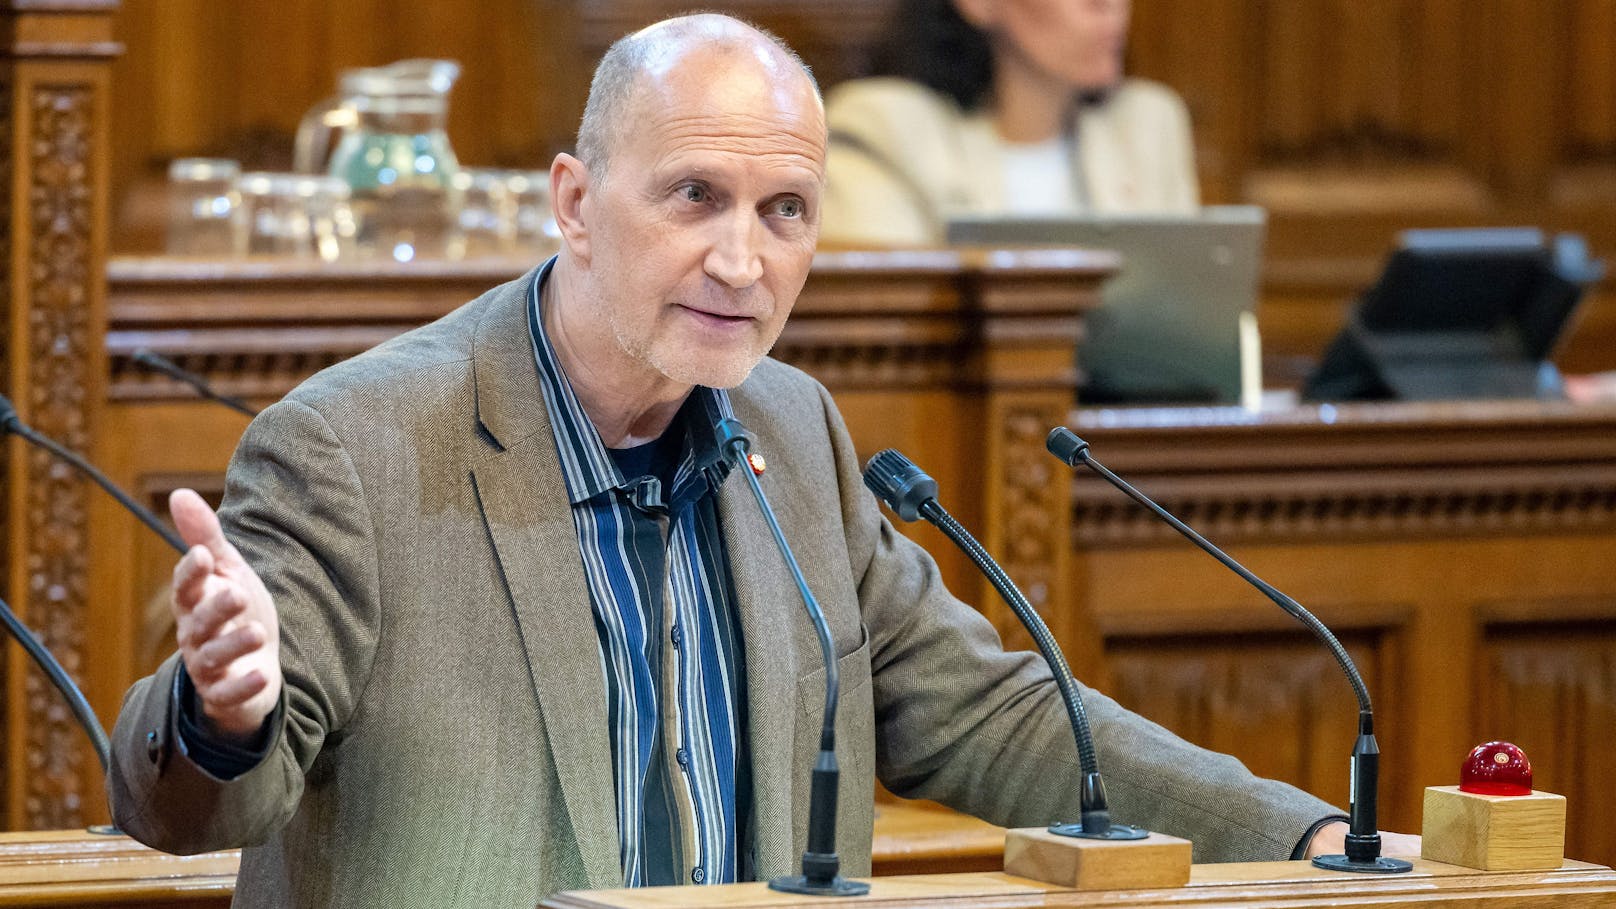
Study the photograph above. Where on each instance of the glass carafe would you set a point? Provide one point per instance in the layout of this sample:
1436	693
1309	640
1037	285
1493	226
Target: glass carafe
394	154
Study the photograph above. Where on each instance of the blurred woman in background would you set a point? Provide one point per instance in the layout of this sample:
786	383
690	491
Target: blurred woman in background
1001	107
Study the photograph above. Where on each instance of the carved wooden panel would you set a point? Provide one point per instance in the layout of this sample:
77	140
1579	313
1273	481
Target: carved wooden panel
7	313
1277	701
1551	688
62	336
1340	505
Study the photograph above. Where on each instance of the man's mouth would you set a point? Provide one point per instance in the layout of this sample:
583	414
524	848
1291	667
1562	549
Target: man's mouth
715	318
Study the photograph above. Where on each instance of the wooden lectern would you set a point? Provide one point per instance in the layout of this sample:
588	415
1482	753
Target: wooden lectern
1271	885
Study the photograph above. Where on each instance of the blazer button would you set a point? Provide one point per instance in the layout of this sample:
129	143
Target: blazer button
153	749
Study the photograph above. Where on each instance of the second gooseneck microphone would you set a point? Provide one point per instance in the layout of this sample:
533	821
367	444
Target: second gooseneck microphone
173	370
911	494
12	423
821	866
1363	840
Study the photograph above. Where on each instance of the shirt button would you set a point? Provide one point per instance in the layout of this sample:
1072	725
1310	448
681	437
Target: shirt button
678	636
683	757
698	875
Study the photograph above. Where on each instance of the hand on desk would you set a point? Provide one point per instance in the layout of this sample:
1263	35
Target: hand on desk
1332	840
227	629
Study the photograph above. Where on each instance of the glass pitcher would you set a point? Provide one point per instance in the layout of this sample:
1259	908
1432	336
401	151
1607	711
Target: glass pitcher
394	153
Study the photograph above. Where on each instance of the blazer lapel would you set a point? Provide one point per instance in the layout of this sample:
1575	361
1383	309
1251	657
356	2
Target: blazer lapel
524	502
766	599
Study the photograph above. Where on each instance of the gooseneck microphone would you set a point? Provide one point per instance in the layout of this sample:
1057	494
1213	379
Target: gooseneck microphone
10	422
169	368
1363	840
911	494
821	866
64	683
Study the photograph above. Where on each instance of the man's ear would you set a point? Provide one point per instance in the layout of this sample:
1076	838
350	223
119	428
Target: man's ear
569	185
982	14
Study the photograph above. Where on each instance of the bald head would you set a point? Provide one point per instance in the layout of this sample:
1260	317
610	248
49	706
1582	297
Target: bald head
653	56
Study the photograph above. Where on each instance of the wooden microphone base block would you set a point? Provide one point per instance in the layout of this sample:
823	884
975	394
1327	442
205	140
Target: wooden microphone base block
1157	861
1494	832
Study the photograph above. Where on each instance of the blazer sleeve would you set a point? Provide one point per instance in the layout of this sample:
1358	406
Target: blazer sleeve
295	507
961	721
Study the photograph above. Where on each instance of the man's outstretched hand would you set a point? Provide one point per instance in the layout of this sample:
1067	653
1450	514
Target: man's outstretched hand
228	632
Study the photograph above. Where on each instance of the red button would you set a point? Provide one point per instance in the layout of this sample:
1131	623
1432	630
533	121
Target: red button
1496	768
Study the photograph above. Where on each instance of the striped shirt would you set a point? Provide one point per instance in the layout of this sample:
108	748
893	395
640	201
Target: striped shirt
664	608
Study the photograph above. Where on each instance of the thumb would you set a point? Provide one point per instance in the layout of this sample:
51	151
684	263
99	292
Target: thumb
199	526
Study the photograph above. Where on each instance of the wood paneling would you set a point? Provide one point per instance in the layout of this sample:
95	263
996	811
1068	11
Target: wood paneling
54	139
1461	551
1551	688
1348	119
1277	700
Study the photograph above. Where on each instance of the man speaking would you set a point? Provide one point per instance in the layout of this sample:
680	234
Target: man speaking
483	618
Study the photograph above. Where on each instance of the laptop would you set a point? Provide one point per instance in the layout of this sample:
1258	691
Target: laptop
1178	323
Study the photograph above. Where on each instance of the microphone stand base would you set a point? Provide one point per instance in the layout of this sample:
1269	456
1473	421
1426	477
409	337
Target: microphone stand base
1113	832
1153	863
836	886
1381	865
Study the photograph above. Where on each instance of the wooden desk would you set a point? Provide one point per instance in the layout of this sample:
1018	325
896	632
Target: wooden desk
73	867
1271	885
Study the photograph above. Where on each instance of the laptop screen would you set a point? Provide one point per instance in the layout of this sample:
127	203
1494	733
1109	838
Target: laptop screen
1169	326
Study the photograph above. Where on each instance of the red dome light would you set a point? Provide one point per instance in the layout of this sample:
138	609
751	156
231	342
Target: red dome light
1496	768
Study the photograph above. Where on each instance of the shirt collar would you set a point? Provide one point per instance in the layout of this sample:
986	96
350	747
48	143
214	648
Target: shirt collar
585	463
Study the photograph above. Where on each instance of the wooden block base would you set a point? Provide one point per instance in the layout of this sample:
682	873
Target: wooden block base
1156	861
1494	832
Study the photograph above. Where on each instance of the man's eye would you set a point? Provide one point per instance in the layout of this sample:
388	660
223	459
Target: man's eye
789	208
694	193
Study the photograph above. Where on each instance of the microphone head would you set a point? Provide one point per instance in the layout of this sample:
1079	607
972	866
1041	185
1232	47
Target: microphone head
1065	444
896	481
9	421
733	441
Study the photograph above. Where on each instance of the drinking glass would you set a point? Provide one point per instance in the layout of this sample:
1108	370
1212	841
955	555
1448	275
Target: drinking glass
295	215
203	204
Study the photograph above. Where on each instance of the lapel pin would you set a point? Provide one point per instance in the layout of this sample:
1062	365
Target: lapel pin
756	462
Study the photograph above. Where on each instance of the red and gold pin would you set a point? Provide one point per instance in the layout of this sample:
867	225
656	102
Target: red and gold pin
756	462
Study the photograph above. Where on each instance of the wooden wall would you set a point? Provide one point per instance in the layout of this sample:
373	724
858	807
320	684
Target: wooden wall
1467	575
1348	119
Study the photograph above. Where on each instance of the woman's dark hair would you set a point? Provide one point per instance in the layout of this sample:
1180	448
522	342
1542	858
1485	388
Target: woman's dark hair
929	42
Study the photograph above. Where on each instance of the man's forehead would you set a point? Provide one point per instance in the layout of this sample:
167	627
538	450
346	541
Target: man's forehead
733	99
727	77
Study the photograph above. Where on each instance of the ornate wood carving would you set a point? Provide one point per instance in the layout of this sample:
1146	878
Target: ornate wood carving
61	344
1346	505
1026	541
1351	472
7	130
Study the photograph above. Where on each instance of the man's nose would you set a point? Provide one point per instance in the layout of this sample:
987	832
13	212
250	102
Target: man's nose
734	258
